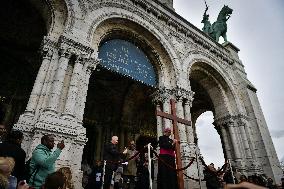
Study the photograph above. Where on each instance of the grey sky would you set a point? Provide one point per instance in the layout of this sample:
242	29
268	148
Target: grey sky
256	27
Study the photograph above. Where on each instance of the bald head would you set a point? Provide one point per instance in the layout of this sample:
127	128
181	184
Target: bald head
114	139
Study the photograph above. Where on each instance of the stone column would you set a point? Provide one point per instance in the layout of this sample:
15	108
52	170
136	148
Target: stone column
58	80
88	68
37	88
226	142
161	100
255	166
167	109
235	142
73	89
180	114
187	116
159	122
245	139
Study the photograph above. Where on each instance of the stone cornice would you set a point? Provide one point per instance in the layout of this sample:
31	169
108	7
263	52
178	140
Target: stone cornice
182	29
183	94
74	46
228	119
161	95
217	49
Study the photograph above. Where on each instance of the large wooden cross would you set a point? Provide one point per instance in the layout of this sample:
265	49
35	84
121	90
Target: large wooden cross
175	120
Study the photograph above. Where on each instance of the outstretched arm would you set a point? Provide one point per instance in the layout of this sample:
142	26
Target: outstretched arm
42	159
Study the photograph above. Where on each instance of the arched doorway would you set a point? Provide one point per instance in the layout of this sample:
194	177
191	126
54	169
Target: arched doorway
22	30
212	93
209	141
118	100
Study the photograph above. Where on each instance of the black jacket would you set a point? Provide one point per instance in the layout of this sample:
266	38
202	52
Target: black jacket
15	151
111	153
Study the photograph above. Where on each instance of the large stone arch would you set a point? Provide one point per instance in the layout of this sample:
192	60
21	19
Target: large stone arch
226	76
214	82
25	23
56	15
166	61
214	92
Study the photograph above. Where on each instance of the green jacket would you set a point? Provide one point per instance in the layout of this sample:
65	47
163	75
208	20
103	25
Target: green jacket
42	164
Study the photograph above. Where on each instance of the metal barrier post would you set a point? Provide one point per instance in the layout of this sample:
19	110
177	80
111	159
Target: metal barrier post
149	164
103	176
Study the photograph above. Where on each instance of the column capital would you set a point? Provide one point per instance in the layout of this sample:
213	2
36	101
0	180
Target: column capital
74	46
224	121
183	94
47	47
47	43
65	52
91	63
161	95
47	53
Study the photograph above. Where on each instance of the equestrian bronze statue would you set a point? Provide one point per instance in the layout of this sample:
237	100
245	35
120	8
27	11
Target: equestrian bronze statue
218	28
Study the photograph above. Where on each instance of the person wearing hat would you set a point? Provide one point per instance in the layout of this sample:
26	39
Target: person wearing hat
167	176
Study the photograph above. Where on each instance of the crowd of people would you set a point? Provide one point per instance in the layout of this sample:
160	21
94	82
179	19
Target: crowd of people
221	177
127	169
39	171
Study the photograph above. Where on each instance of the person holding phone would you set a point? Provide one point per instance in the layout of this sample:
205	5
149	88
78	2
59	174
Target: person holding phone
43	160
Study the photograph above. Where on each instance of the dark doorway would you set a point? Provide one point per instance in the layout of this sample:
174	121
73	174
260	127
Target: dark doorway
116	105
21	33
143	140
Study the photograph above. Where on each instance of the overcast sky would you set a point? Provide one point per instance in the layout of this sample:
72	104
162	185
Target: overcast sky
256	27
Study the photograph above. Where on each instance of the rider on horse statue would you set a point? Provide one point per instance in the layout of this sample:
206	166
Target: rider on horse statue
218	28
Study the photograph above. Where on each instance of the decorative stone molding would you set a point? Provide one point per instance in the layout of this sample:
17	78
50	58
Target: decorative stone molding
91	63
74	47
183	94
53	123
161	95
231	119
183	31
180	29
48	44
65	52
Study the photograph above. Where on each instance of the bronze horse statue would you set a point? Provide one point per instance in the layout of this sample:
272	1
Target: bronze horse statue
218	28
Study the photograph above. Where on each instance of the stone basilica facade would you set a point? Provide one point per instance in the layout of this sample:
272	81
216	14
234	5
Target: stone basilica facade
66	89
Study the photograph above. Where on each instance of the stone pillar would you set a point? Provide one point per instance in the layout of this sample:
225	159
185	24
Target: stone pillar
254	166
38	85
226	142
235	142
89	66
242	125
187	116
167	109
161	99
180	114
73	89
58	80
159	122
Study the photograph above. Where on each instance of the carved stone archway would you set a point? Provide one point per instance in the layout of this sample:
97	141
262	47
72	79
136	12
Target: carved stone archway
212	93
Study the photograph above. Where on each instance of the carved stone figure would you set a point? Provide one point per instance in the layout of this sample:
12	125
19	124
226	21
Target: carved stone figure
207	25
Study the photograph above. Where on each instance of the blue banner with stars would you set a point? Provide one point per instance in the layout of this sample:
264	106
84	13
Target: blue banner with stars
127	59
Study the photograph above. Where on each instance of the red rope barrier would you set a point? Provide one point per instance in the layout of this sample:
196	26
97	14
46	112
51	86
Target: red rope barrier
169	166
